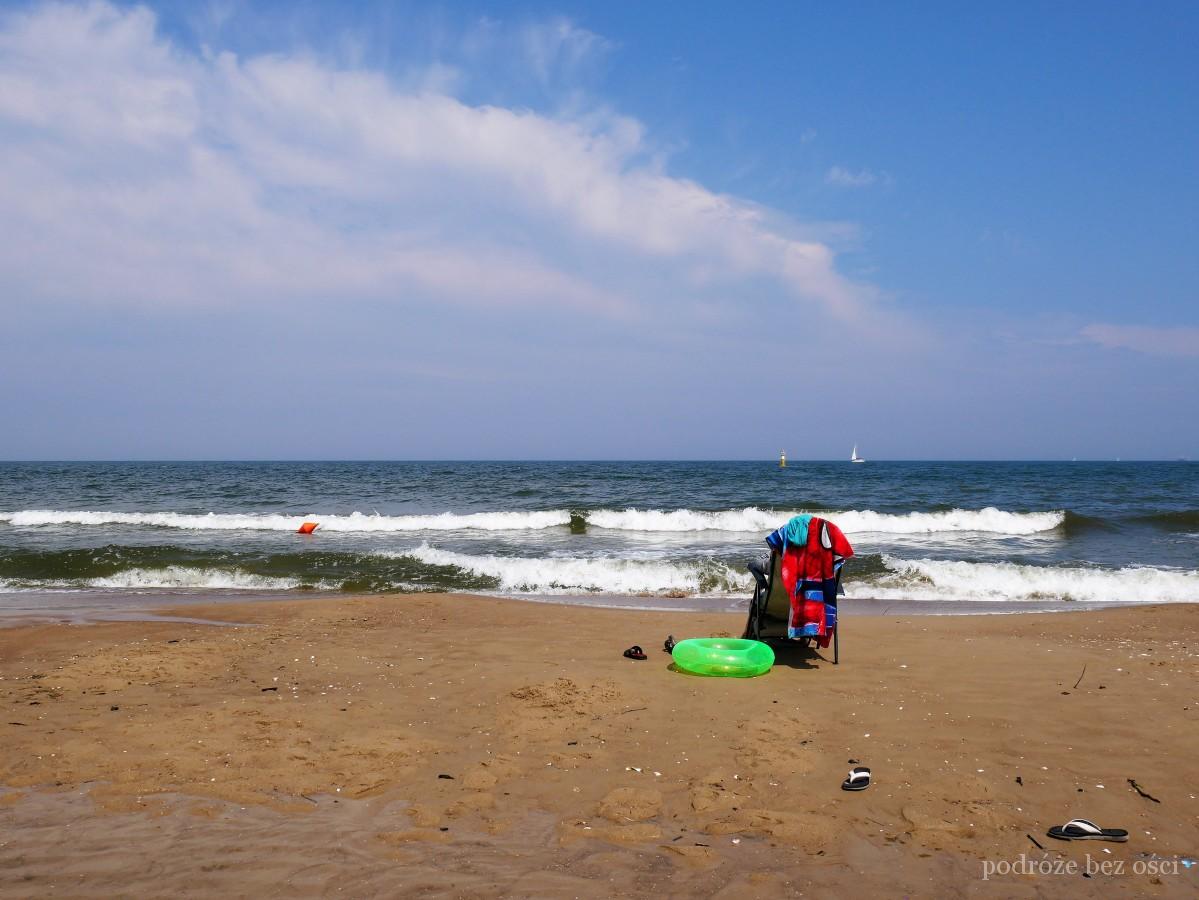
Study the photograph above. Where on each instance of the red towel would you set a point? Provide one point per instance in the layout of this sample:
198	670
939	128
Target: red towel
814	562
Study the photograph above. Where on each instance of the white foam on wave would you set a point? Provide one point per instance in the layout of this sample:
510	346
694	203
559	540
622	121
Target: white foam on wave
989	520
577	574
487	521
180	577
934	579
749	520
754	520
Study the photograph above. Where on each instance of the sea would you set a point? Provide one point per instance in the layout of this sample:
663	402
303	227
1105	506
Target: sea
944	536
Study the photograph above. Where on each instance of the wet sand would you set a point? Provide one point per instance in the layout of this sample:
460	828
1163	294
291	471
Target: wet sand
472	747
80	607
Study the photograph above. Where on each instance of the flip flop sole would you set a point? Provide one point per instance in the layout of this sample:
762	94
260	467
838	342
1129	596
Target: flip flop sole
1114	835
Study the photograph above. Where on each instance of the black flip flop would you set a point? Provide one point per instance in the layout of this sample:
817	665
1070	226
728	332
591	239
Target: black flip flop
858	779
1083	830
635	652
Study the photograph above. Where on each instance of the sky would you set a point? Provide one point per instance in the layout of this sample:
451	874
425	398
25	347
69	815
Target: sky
391	230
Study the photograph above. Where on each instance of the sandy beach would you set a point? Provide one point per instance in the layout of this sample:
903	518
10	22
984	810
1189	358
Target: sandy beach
460	746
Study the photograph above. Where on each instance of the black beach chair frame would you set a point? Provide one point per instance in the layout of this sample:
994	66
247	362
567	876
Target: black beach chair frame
770	607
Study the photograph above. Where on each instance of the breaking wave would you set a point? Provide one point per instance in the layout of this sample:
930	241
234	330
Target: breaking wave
932	579
357	522
580	575
750	520
179	577
169	578
755	520
429	568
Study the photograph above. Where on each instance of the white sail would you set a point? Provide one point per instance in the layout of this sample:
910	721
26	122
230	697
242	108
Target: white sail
853	457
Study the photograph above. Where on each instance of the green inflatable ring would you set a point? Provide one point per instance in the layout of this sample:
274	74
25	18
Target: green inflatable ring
730	657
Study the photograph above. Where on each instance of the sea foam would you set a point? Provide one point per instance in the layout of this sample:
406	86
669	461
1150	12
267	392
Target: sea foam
356	522
183	578
754	520
576	574
749	520
934	579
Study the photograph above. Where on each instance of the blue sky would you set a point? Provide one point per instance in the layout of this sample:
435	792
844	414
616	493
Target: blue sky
574	230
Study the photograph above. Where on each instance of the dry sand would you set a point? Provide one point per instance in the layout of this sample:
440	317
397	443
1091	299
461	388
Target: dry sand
461	746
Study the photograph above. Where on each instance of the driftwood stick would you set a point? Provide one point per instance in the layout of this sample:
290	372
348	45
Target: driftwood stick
1084	672
621	713
1136	787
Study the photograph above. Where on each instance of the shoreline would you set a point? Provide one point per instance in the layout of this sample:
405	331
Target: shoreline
465	746
91	606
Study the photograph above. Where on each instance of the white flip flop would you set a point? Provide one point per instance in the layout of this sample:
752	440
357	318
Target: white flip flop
858	779
1084	830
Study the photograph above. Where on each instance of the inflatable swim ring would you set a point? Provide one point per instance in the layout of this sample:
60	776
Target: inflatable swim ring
731	657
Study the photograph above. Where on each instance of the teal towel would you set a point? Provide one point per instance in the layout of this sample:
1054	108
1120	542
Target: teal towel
795	532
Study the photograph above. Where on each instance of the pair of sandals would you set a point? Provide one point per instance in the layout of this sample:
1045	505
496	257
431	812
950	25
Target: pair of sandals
1074	830
635	652
859	779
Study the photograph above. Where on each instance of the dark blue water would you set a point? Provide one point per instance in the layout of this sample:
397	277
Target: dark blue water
664	530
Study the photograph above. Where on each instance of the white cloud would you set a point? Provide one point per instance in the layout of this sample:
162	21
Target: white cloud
133	171
843	177
1177	341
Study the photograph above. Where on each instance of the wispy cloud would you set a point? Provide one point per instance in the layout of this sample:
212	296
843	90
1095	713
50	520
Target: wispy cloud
1176	341
559	46
134	171
844	177
554	55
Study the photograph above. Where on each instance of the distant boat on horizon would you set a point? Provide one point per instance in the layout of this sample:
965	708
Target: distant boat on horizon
783	460
853	457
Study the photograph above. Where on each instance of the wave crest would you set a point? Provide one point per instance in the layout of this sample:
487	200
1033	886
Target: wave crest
749	520
582	575
934	579
752	519
180	577
358	522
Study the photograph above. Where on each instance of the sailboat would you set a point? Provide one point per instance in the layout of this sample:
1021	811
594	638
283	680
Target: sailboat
853	457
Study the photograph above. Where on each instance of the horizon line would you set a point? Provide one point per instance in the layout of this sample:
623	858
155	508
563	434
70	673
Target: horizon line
753	459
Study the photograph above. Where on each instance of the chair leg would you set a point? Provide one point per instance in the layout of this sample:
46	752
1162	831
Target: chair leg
753	629
837	645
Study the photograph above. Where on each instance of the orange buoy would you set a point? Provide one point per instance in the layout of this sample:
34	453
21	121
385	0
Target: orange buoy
307	528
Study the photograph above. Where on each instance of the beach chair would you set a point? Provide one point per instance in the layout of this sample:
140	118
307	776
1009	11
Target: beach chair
770	608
